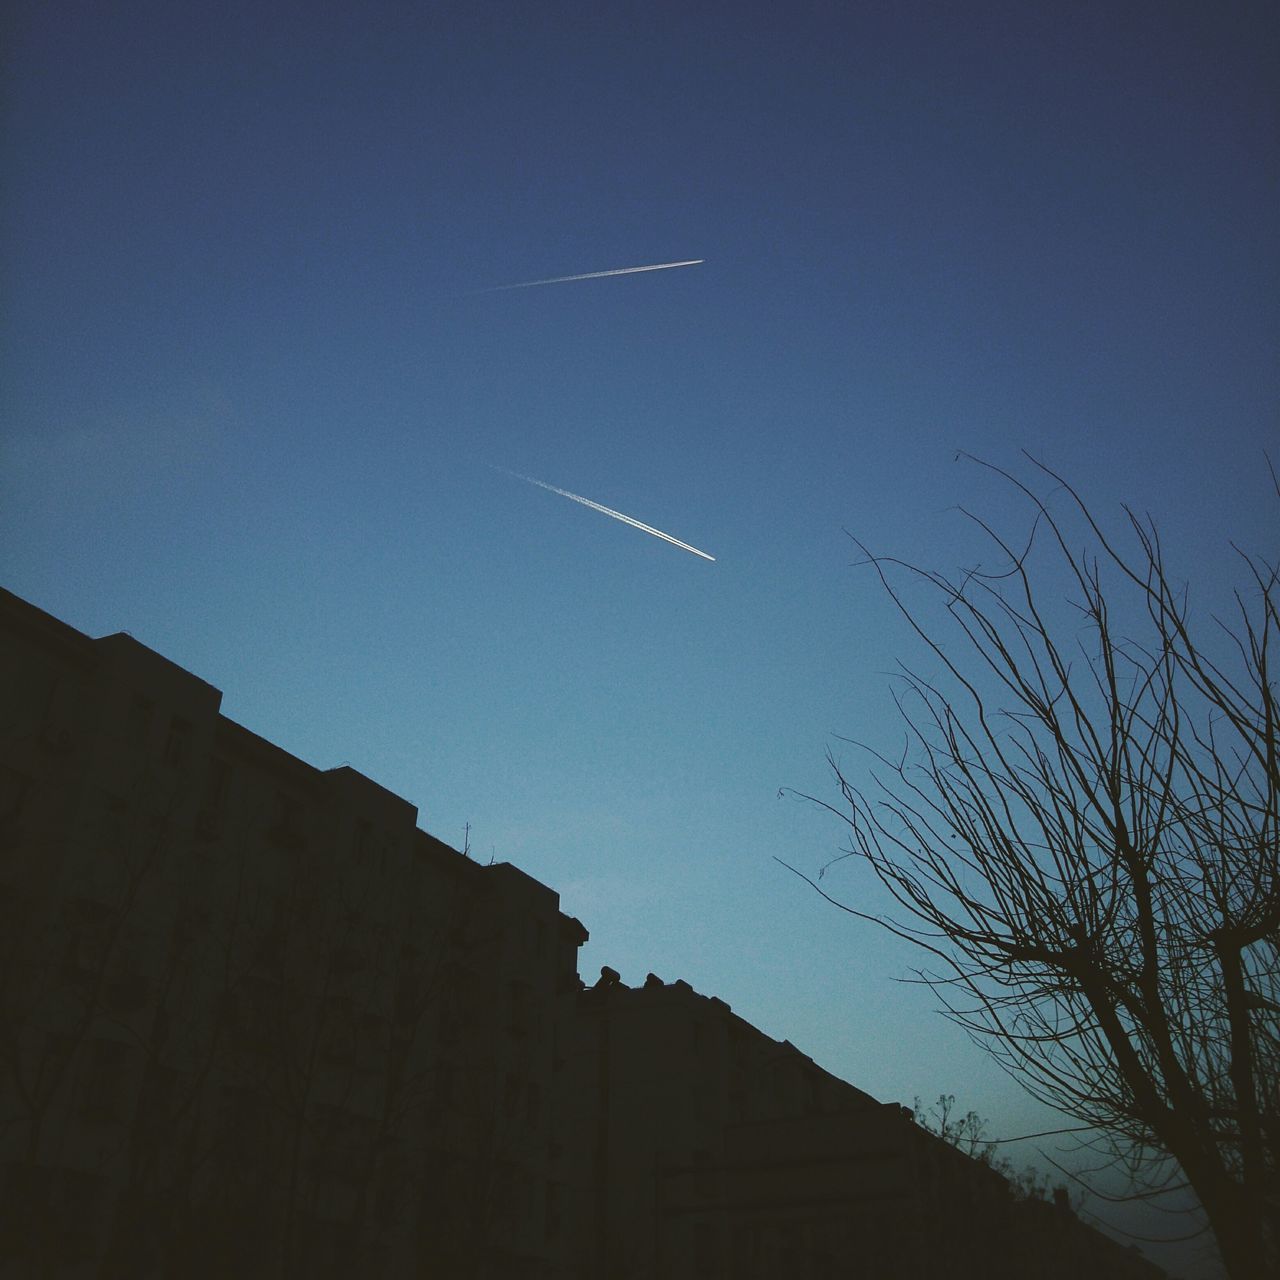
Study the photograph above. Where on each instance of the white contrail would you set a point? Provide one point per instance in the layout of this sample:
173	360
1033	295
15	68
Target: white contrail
594	275
608	511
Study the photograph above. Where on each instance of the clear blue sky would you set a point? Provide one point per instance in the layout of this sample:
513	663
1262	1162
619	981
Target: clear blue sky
251	391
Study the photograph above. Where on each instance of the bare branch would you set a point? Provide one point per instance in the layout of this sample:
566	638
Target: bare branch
1084	836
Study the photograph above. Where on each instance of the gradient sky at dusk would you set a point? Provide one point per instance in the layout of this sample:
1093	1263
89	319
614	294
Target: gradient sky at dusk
257	405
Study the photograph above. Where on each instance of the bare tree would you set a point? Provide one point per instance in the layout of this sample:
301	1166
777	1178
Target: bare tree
1084	835
968	1133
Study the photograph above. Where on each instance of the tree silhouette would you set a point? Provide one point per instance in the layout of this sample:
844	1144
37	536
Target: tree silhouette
968	1133
1084	836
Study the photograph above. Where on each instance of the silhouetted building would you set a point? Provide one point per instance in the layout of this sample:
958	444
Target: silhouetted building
250	1012
718	1153
256	1022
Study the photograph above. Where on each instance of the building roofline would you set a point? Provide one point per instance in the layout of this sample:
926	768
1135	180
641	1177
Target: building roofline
24	616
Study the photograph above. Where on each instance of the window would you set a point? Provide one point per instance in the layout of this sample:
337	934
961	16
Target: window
141	710
14	791
443	1090
374	1039
519	1007
177	748
90	926
218	788
392	1188
364	839
812	1094
14	787
525	1190
245	1127
343	1141
703	1176
338	1043
158	1100
127	992
703	1248
782	1085
439	1173
68	1197
554	1213
285	831
410	993
258	1014
106	1094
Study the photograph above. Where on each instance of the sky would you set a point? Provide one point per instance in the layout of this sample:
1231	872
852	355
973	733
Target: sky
263	402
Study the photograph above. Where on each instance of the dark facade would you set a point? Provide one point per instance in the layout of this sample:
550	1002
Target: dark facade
717	1153
257	1023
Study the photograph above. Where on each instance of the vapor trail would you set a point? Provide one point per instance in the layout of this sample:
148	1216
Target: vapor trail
608	511
593	275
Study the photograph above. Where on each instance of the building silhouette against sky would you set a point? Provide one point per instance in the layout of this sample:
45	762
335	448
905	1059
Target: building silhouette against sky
257	1023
